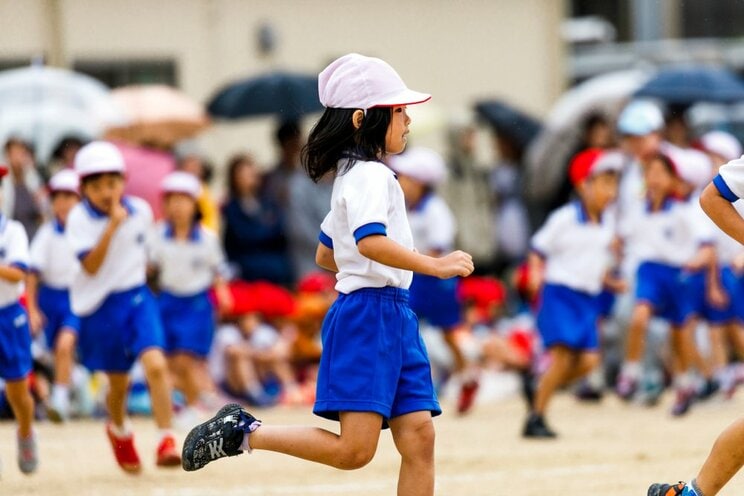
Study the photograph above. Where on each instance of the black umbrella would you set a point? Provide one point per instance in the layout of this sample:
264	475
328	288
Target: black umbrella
509	122
284	94
688	85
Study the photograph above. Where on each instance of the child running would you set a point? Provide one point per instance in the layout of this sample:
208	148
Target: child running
571	256
53	267
119	321
727	456
15	336
420	171
374	369
188	260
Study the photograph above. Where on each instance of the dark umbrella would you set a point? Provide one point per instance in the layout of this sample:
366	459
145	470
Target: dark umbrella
688	85
509	122
286	95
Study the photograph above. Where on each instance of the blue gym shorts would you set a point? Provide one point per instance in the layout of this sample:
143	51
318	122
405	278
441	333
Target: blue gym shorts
374	359
435	300
126	324
664	287
701	307
188	323
568	317
55	305
15	343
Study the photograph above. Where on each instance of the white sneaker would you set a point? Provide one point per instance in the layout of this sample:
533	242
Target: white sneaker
186	419
28	454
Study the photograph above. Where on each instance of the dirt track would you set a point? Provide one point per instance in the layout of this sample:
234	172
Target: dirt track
612	449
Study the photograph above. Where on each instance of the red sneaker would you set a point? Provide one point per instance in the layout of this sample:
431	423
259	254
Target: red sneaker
467	396
167	455
124	451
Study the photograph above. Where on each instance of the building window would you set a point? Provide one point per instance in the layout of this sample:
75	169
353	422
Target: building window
115	73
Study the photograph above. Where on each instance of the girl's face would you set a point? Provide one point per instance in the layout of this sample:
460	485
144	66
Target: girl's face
642	147
600	190
180	208
395	139
247	179
660	181
62	203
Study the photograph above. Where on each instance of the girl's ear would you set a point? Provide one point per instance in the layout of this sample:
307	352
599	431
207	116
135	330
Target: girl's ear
357	118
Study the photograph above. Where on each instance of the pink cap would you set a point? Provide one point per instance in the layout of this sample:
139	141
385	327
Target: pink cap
181	182
358	82
721	143
422	164
692	166
65	180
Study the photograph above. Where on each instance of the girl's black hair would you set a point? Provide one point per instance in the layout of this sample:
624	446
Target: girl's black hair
334	145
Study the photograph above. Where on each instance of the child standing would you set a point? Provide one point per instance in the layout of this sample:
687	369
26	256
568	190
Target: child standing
374	370
119	321
433	226
15	336
571	257
188	259
53	267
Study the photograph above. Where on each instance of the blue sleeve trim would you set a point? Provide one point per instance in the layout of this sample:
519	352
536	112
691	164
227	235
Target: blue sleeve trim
81	256
20	265
325	240
370	229
724	189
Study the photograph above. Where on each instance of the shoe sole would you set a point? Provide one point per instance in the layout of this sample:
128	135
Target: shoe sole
169	461
189	445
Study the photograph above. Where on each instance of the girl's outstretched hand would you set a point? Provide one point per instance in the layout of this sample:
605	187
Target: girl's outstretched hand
457	263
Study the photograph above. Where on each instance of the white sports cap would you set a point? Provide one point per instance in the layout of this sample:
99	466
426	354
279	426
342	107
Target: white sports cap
639	118
721	143
99	157
422	164
358	82
65	180
181	182
692	166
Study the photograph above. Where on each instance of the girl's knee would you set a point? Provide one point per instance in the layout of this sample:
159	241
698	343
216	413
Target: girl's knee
354	457
417	442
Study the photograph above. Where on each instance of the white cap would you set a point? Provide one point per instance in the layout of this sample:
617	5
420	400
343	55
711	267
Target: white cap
358	82
99	157
181	182
640	117
65	180
422	164
721	143
692	166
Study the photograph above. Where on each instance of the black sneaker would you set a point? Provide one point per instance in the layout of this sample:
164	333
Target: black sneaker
588	394
667	489
220	436
683	402
710	388
535	428
529	387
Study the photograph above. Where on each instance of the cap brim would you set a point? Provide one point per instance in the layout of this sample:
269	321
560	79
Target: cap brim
3	172
609	162
405	97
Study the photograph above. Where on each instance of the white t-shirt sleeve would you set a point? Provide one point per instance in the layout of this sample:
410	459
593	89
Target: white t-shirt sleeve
39	249
17	255
80	233
154	245
730	180
544	240
366	196
442	226
216	255
326	231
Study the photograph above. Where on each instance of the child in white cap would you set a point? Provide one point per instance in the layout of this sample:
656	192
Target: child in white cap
420	171
374	370
119	320
189	261
15	336
53	268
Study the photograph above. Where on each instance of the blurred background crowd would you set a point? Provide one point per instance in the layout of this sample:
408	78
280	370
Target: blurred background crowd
227	90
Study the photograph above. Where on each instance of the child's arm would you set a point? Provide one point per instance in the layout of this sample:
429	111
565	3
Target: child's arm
535	272
35	317
324	258
11	273
225	302
384	250
93	260
722	212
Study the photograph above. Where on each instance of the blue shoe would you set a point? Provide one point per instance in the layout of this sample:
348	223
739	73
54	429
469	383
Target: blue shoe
679	489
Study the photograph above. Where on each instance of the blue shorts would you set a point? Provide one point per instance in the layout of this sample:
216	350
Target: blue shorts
435	300
664	287
373	359
605	303
15	343
568	318
126	324
55	305
188	323
701	307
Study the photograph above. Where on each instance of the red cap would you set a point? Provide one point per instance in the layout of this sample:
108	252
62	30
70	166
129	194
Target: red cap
3	170
593	161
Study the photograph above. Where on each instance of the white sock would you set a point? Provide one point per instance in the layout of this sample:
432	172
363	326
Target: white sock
61	396
632	370
163	433
122	431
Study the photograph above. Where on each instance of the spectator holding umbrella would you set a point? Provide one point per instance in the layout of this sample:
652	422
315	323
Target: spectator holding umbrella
254	234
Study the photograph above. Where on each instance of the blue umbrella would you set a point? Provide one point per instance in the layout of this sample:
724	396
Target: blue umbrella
688	85
283	94
509	122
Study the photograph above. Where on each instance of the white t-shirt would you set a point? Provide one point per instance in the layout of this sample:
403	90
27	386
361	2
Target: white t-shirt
367	199
669	236
187	267
52	256
577	251
432	225
730	180
125	264
13	252
263	338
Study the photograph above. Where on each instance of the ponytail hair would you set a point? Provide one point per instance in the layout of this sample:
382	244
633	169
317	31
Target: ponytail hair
334	145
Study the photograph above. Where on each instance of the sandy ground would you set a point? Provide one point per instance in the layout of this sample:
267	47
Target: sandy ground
610	449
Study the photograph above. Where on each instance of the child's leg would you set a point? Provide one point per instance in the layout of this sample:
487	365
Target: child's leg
585	362
725	459
156	373
413	435
117	398
636	339
353	448
457	357
64	350
562	362
22	404
185	372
